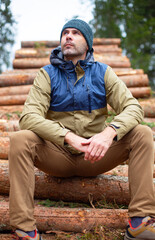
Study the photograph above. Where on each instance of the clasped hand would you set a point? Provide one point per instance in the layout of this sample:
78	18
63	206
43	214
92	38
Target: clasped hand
94	147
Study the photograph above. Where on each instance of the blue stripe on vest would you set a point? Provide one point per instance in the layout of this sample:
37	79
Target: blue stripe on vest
87	94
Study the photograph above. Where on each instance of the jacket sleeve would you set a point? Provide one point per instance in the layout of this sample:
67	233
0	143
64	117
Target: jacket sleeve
128	111
35	110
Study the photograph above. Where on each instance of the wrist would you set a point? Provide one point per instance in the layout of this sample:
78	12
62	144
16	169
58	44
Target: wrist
112	131
68	137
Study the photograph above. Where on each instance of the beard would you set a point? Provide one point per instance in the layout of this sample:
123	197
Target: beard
72	50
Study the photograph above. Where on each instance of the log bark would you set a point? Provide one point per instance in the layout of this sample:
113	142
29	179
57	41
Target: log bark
69	220
9	126
111	58
96	41
124	72
6	134
113	61
12	100
140	92
10	116
112	49
33	52
40	62
15	90
138	80
16	79
4	147
45	52
30	63
11	109
149	107
106	41
21	71
38	44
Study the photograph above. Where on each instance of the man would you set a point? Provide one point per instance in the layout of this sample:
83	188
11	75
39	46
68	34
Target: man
64	133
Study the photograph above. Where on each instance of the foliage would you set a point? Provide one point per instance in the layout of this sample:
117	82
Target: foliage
49	203
133	21
7	30
107	18
98	204
149	124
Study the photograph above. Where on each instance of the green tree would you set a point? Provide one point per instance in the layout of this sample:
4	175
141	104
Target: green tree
7	30
133	21
107	13
139	27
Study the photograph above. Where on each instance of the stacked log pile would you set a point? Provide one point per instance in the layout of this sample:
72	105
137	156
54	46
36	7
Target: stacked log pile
112	186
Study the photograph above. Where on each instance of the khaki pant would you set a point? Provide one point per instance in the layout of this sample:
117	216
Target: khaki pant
28	150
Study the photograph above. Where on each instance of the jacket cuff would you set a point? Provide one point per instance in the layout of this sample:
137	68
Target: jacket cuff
62	135
115	128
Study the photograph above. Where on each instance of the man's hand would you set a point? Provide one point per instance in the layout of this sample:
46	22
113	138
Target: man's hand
99	144
94	147
76	141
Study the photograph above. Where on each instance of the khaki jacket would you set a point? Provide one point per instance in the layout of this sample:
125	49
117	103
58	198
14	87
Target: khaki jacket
53	125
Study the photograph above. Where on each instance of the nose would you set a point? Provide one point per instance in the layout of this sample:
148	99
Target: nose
68	36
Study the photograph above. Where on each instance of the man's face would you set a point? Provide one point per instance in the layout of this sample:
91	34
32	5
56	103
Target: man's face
73	43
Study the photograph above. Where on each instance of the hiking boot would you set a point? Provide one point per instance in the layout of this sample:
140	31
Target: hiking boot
21	235
145	231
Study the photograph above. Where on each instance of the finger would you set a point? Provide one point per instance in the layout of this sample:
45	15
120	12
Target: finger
89	153
102	154
97	156
85	143
92	153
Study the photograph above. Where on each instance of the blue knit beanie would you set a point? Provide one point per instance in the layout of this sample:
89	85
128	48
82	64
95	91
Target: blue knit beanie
83	27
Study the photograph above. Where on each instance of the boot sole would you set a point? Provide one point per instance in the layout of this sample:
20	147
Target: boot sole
129	238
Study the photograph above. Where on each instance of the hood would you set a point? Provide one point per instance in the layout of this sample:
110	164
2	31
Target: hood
56	58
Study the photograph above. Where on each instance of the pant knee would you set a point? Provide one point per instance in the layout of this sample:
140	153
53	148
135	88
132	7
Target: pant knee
145	136
145	131
21	140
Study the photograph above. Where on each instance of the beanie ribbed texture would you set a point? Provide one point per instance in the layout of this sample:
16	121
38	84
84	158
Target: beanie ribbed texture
83	27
